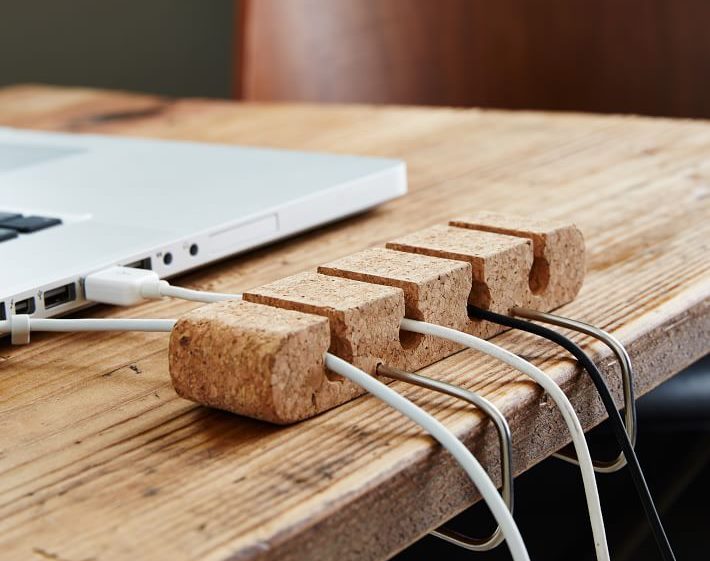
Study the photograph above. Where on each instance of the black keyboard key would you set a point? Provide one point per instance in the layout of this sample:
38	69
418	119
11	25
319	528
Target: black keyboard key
29	224
7	215
6	234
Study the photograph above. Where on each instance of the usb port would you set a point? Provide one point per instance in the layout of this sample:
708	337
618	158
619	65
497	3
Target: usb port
26	306
60	295
140	264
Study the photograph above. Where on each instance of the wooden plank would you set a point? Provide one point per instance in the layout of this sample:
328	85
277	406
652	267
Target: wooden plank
99	459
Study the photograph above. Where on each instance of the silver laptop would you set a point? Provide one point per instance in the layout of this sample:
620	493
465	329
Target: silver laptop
74	204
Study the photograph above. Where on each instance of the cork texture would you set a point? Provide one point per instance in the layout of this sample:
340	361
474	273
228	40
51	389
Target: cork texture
263	356
500	266
558	269
364	317
435	290
254	360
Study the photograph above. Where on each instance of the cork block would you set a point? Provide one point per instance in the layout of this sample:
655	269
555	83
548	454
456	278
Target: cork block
558	267
435	290
263	356
255	360
499	265
364	317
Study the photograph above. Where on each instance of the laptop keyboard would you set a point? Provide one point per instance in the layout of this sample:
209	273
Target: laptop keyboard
13	224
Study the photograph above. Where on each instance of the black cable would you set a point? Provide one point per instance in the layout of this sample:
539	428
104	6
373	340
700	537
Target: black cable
617	424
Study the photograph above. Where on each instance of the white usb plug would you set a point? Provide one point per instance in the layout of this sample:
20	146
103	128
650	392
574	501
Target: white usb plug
126	286
122	286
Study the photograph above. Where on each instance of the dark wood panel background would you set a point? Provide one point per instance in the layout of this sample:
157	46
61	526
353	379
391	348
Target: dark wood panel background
638	56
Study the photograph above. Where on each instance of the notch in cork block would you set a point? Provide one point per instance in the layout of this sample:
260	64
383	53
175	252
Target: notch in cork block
499	266
364	317
557	272
435	290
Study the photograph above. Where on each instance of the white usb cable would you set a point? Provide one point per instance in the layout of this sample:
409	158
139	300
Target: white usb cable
447	439
126	286
558	396
21	326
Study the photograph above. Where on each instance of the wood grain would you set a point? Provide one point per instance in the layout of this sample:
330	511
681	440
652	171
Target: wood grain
99	459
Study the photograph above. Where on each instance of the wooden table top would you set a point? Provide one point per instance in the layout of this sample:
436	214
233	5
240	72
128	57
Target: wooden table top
100	460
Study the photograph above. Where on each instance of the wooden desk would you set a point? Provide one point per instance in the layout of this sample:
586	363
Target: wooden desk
99	459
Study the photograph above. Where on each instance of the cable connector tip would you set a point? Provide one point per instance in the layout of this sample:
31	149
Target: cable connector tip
122	286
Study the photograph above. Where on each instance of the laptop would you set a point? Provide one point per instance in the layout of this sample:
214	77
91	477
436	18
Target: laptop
73	204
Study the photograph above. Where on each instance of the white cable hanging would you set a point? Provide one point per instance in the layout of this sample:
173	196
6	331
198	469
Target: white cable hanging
557	395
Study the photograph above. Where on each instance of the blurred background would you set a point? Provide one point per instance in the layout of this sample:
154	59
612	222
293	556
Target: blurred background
640	56
637	56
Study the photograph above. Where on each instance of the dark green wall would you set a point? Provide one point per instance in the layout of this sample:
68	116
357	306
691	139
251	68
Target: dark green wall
173	47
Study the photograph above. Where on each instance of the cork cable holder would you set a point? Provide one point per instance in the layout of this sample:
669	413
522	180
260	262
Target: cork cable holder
263	356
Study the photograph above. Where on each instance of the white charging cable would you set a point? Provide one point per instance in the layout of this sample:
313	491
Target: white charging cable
20	327
447	439
126	286
557	395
